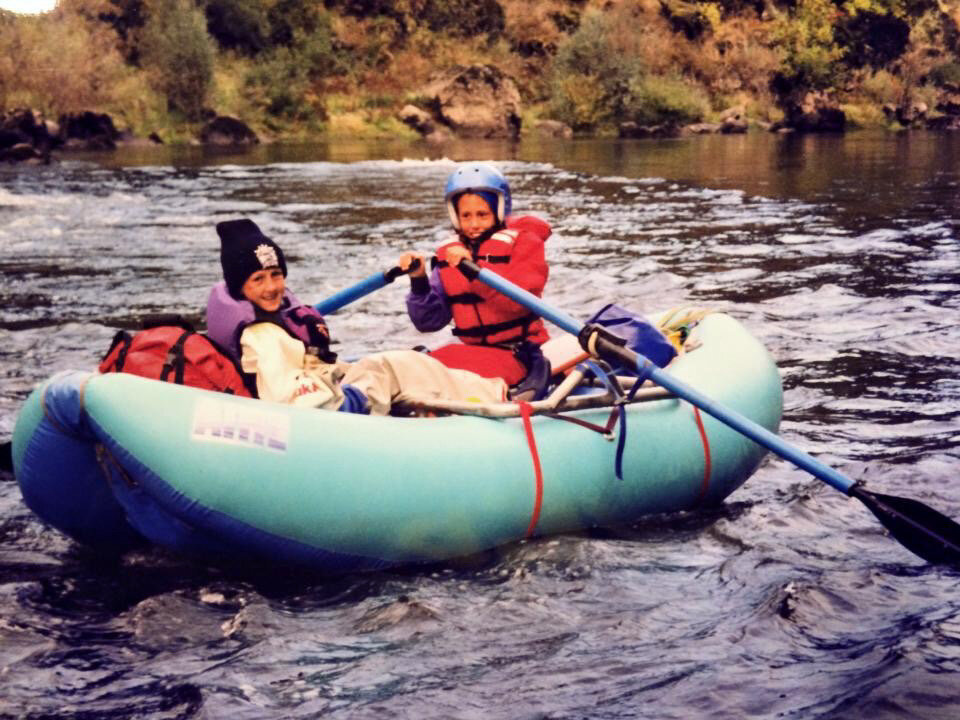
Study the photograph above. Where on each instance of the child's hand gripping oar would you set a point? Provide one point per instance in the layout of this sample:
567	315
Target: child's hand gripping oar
362	288
921	529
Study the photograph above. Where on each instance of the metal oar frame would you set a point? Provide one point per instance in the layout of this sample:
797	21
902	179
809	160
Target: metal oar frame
558	401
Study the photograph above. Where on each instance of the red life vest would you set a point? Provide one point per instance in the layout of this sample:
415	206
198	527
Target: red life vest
176	354
482	315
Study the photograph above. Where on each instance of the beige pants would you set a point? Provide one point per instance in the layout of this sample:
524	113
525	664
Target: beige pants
397	376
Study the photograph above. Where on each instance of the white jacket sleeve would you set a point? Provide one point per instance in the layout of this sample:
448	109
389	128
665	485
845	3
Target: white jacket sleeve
285	372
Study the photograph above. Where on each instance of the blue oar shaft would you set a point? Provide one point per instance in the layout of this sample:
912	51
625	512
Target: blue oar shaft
732	418
347	296
364	287
752	430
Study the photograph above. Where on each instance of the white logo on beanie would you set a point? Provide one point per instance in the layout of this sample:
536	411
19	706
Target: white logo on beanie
267	256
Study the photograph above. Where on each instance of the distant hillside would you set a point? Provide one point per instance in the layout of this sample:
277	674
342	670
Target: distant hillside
295	69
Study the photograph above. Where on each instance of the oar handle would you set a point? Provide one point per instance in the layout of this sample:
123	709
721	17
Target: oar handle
396	271
362	288
607	347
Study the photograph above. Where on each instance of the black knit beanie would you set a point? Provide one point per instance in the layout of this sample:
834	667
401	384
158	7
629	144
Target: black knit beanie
243	251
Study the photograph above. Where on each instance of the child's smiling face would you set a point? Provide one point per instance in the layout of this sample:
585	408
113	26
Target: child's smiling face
475	215
265	289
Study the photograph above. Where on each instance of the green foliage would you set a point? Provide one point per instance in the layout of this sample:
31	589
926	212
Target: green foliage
290	20
693	19
127	18
872	39
808	48
590	78
594	64
464	18
882	87
657	100
597	83
239	25
865	115
947	74
177	53
59	62
286	79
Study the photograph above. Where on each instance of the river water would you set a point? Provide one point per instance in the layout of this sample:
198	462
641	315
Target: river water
840	253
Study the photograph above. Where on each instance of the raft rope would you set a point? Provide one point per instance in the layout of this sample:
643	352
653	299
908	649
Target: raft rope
681	327
525	412
707	462
617	413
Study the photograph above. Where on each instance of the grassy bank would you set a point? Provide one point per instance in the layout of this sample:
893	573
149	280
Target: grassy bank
295	69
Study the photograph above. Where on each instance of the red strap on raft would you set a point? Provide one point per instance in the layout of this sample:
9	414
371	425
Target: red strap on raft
525	412
706	454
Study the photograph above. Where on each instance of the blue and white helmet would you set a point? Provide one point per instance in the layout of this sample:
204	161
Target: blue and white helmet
477	178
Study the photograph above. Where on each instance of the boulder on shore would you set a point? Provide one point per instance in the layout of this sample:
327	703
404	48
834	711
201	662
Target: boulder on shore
418	119
553	129
88	131
25	136
475	101
811	112
633	130
227	131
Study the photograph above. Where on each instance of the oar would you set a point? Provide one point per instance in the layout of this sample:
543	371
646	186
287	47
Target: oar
364	287
921	529
6	457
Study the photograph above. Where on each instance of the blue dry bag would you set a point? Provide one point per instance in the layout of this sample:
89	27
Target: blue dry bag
641	336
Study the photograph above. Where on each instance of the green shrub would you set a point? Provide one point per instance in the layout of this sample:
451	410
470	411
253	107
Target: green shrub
883	88
598	82
807	47
693	19
658	100
59	62
464	18
287	80
178	54
946	74
590	77
289	20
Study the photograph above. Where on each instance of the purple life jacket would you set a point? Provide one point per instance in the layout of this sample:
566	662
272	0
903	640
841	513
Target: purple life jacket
227	318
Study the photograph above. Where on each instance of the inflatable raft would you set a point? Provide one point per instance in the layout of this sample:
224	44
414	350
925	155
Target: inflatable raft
115	461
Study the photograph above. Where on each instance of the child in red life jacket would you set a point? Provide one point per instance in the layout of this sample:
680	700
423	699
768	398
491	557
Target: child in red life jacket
284	344
500	338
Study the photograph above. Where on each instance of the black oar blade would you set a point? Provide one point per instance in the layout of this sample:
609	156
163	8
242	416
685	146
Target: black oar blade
6	457
919	528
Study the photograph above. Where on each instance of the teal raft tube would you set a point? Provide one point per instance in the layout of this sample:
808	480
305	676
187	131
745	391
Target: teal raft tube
115	461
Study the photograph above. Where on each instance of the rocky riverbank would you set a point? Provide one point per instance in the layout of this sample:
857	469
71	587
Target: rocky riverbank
26	136
478	101
234	73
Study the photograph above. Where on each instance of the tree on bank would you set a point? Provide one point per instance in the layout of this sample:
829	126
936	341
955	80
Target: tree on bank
178	55
283	65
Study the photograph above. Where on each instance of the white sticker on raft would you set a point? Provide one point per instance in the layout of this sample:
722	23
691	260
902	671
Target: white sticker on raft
240	424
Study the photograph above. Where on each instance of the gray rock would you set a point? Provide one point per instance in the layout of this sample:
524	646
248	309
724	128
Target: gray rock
476	101
554	129
229	131
418	119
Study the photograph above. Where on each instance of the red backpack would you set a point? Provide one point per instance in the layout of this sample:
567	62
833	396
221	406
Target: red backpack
169	349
